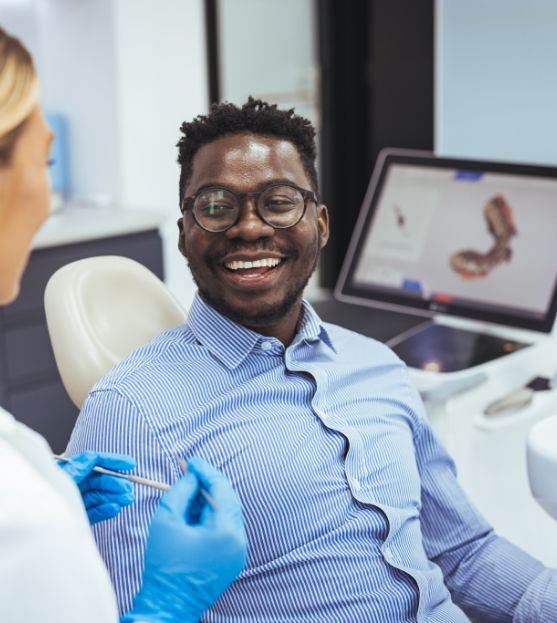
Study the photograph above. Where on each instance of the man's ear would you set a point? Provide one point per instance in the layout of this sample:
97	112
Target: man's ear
181	237
323	224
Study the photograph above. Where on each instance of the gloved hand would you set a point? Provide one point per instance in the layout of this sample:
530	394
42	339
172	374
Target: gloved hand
193	551
103	495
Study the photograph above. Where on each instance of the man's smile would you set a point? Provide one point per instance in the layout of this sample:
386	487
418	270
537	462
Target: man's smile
268	262
256	272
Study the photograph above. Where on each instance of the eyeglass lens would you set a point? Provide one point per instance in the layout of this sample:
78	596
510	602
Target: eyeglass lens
216	209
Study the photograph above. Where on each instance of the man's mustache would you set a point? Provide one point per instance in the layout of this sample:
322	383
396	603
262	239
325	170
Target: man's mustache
239	247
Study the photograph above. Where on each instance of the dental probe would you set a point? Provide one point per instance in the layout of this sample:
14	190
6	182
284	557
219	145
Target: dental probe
184	467
137	479
146	481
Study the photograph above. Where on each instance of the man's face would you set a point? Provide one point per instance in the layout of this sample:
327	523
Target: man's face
255	296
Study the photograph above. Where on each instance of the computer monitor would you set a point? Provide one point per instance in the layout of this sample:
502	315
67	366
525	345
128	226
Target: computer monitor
458	237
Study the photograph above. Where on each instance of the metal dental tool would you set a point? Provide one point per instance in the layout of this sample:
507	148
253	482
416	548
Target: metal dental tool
184	467
146	481
520	398
137	479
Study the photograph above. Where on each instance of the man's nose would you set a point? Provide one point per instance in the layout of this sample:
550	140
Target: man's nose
250	226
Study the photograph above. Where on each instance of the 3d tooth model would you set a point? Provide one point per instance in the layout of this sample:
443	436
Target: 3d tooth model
471	264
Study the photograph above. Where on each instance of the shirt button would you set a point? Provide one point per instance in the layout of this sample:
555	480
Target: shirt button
388	553
266	346
355	484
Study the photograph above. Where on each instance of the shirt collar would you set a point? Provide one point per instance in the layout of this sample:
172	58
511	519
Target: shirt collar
231	343
311	327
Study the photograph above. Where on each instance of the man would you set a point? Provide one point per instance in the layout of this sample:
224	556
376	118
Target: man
352	507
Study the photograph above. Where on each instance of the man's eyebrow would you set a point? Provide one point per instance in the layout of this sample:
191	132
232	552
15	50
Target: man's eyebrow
262	186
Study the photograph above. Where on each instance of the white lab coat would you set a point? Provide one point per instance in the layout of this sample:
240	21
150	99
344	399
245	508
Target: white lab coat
50	570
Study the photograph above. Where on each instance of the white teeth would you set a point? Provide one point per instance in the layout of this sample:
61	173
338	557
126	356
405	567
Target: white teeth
267	262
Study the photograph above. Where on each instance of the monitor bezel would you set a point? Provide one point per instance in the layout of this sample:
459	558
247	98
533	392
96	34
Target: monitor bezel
346	290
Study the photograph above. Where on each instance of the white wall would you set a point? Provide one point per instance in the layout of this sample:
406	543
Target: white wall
496	79
161	80
268	50
18	17
75	60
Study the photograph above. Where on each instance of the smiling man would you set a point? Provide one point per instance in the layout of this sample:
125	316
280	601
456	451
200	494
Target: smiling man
252	262
352	507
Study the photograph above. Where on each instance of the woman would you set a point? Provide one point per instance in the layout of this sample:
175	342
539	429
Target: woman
49	567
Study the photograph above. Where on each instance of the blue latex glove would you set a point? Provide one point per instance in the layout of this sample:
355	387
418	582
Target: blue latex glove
103	495
193	552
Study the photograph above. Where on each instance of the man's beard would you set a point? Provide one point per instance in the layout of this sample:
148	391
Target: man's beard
260	318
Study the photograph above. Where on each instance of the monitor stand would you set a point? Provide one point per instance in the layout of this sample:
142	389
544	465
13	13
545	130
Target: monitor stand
420	342
437	347
380	324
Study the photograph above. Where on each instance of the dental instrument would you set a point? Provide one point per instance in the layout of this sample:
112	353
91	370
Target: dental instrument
137	479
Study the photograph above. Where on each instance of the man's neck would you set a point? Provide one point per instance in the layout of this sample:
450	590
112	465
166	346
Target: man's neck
284	329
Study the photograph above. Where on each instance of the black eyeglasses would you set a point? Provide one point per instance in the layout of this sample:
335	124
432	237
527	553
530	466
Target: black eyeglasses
217	209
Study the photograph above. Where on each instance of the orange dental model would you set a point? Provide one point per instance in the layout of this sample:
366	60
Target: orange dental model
471	264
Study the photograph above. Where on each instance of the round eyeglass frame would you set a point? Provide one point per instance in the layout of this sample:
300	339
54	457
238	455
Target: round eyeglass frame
189	202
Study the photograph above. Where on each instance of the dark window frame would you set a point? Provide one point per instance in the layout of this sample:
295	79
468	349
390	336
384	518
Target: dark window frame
377	90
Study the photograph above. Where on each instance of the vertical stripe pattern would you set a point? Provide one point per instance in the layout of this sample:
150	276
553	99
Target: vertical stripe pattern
352	507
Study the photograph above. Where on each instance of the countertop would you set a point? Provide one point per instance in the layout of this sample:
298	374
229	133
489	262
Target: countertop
77	223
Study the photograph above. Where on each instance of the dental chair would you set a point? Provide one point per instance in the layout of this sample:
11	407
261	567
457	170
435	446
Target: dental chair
100	309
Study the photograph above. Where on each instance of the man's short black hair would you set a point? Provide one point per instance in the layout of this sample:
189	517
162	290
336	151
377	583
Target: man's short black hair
255	116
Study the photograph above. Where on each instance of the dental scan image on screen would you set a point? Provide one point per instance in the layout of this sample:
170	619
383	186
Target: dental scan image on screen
482	239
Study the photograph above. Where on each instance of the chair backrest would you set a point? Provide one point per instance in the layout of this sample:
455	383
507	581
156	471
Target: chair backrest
100	309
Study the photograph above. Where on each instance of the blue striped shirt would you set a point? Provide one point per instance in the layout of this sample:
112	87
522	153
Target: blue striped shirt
352	507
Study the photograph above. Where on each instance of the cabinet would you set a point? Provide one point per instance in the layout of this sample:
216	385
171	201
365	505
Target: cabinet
30	386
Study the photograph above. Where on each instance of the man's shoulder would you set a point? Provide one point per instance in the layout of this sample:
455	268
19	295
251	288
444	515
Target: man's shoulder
350	342
369	366
143	366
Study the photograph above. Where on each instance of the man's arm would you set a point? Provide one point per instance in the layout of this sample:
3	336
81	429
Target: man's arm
488	577
109	422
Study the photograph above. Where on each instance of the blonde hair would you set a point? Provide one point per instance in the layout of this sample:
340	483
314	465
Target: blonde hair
19	91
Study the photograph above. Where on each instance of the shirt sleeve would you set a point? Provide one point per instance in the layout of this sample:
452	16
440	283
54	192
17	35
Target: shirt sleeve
539	603
110	422
487	576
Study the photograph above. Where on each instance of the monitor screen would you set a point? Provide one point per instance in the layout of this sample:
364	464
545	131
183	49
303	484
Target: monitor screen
470	238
